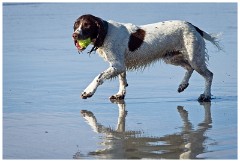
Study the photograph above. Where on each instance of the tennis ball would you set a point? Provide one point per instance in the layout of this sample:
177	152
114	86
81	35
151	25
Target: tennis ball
84	43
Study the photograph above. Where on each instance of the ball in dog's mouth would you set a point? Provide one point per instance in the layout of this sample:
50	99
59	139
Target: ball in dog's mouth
82	44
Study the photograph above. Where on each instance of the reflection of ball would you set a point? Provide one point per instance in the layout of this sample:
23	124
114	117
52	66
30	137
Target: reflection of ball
84	43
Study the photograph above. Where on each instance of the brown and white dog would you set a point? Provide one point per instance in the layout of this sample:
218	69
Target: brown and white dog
130	47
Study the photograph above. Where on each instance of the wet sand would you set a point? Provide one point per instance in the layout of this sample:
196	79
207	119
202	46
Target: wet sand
43	76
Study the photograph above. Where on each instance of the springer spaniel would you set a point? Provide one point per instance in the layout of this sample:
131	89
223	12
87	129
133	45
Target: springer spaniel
129	47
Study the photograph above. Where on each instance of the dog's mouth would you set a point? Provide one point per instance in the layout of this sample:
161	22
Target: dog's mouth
79	48
75	37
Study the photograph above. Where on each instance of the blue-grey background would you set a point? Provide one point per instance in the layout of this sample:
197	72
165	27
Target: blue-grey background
43	76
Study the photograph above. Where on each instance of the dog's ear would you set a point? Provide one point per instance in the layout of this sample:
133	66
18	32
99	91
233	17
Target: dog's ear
102	27
101	32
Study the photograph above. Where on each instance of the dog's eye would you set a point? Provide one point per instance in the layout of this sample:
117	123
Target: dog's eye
75	26
86	25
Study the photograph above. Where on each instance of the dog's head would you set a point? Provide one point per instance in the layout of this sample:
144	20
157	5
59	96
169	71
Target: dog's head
89	26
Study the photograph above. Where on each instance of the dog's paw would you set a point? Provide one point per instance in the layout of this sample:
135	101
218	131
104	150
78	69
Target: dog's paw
86	113
117	97
204	98
86	95
182	87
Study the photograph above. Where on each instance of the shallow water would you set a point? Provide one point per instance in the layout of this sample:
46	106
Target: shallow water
43	76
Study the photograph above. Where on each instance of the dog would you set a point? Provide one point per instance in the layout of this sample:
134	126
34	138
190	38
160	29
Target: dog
129	47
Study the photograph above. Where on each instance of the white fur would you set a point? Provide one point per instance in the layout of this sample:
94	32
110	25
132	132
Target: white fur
160	41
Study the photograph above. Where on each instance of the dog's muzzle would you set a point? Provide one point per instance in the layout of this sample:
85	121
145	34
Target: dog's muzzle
76	37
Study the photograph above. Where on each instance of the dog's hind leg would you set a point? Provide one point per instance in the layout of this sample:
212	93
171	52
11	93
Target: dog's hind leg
195	47
122	87
178	58
208	76
184	84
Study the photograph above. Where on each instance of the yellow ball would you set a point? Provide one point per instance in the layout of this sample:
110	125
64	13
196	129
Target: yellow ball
84	43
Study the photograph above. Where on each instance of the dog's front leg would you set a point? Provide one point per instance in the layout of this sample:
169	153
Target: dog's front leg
107	74
122	87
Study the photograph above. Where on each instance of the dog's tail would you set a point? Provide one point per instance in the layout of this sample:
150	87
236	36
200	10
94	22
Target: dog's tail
213	38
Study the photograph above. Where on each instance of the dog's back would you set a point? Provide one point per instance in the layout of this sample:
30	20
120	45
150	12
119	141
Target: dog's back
159	40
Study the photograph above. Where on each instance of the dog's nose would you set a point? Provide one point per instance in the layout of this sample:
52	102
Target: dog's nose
75	36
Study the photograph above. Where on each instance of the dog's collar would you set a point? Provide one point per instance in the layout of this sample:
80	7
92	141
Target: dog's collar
100	40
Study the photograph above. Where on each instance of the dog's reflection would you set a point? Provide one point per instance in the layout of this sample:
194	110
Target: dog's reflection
122	144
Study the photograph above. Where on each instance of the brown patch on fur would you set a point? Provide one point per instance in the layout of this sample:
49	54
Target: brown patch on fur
136	39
